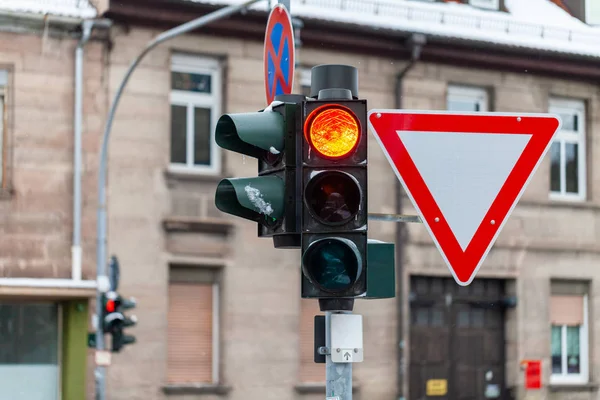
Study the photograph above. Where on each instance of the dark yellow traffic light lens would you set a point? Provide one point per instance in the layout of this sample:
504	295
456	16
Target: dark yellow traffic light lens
333	264
333	197
333	131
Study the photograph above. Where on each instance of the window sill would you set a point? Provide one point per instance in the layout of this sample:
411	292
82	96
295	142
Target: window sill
318	388
573	387
200	388
570	198
177	174
197	225
562	203
6	193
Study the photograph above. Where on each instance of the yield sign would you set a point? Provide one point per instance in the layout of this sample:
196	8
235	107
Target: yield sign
464	173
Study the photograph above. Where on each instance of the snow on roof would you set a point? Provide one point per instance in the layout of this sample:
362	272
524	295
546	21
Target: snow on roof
529	24
63	8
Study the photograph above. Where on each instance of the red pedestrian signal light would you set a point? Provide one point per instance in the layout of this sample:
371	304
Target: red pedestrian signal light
333	131
110	306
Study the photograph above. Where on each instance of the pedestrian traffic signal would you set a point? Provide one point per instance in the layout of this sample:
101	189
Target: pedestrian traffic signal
120	339
334	172
115	321
270	199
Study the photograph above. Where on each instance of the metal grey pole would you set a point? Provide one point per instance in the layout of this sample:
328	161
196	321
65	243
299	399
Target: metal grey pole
101	277
338	376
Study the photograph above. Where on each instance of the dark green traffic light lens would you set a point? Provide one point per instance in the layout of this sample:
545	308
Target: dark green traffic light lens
333	197
333	264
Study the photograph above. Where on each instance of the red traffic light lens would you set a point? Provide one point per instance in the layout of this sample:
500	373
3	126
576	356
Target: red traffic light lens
333	197
110	306
333	131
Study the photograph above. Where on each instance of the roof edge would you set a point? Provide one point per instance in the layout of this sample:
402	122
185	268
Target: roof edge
318	33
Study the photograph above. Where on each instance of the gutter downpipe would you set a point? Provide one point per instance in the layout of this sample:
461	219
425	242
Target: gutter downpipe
416	43
86	27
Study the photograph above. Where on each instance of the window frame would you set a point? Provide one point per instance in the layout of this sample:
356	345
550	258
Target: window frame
60	321
558	105
201	65
4	82
487	4
584	347
215	333
479	94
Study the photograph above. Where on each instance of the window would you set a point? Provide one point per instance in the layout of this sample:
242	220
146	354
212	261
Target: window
567	153
569	336
193	326
464	98
3	84
195	109
29	351
489	4
310	372
592	12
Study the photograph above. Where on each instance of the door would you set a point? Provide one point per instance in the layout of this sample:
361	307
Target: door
29	351
456	340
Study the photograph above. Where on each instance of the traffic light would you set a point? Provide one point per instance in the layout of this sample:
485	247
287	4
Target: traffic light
271	198
120	339
115	321
311	188
334	177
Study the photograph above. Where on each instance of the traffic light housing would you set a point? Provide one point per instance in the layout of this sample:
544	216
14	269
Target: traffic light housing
115	321
311	188
270	199
334	188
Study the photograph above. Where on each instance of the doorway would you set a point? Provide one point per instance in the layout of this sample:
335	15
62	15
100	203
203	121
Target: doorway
457	348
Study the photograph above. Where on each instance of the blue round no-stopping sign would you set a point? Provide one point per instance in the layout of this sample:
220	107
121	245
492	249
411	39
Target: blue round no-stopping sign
279	53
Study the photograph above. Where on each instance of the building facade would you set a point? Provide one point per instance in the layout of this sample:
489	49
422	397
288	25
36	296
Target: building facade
476	338
220	314
47	279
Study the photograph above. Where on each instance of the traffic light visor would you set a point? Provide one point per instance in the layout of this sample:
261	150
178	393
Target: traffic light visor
333	131
258	199
333	197
332	264
259	134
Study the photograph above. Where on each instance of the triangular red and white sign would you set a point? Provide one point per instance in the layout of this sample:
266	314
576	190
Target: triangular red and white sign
463	172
